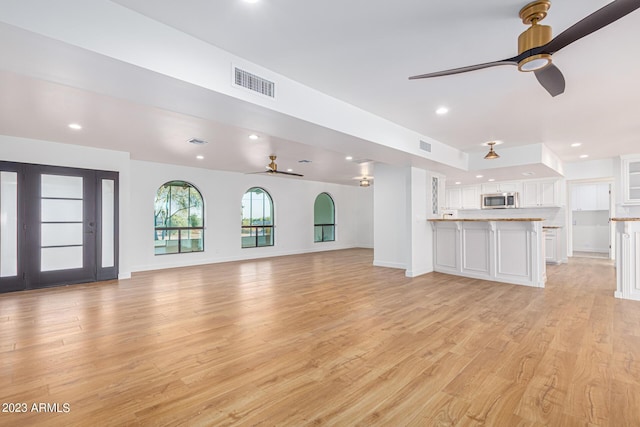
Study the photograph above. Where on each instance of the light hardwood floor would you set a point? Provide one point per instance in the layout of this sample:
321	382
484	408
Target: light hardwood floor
324	339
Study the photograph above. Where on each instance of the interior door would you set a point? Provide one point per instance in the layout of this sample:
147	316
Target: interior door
58	226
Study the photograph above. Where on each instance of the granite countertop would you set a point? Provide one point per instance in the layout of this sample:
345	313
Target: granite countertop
485	219
625	219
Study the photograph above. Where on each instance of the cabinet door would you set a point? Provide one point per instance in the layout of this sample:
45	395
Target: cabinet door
602	197
454	198
471	197
586	197
490	187
548	194
631	181
550	253
529	195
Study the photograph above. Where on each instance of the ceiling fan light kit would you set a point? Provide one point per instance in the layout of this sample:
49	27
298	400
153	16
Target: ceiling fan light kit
535	36
536	45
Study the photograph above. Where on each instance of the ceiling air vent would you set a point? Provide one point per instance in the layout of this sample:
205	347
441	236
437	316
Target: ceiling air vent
425	146
254	83
197	141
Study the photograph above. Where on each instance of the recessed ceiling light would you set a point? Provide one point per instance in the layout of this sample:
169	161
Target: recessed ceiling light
199	157
349	158
253	137
289	170
576	144
75	126
251	1
442	110
458	183
491	179
584	156
479	176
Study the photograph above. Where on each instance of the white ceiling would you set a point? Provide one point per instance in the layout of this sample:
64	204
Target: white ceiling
361	52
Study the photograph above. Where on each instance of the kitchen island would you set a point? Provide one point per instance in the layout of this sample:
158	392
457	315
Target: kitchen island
627	258
509	250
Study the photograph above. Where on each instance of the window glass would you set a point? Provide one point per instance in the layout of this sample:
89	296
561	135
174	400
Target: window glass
178	219
257	218
324	218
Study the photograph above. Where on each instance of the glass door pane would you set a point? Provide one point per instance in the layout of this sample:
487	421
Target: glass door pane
8	224
61	223
108	223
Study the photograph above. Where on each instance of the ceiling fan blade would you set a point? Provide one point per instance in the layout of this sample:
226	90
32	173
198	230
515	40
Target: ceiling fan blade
551	79
287	173
597	20
510	61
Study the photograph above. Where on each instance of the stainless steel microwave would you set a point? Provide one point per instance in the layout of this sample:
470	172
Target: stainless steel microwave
500	201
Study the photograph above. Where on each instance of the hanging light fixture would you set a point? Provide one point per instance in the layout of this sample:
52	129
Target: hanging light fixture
364	182
491	154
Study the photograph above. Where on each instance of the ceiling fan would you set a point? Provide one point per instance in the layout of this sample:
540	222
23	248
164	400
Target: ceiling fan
535	45
272	168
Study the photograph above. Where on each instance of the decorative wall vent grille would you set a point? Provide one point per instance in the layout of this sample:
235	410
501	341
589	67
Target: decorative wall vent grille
425	146
255	83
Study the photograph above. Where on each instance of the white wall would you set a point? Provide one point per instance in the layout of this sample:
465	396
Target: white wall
391	206
420	233
591	231
293	201
222	192
589	170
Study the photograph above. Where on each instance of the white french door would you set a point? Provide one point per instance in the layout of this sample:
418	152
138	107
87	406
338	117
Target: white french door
57	226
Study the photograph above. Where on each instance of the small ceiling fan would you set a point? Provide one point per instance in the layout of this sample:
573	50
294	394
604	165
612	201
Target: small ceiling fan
535	45
272	168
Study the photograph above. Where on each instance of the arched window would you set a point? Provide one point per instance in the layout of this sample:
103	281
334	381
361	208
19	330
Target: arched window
324	219
179	219
257	218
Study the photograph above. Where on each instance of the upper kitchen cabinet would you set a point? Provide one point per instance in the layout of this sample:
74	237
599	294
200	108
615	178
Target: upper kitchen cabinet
465	197
631	179
590	197
501	187
538	194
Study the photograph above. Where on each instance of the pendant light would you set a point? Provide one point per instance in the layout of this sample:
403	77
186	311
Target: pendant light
491	154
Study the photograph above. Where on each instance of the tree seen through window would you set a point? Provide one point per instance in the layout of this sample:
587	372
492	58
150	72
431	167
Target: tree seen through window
178	218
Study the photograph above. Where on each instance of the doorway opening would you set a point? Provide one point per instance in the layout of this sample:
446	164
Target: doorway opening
590	208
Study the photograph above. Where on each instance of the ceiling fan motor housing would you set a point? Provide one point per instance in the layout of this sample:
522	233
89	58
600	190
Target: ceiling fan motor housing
534	36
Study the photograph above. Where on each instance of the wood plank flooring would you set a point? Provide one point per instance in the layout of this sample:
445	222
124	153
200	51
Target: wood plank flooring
323	339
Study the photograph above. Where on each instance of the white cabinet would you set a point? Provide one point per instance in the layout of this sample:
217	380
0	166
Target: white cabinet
590	197
453	198
631	179
540	194
552	251
501	187
471	197
465	197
